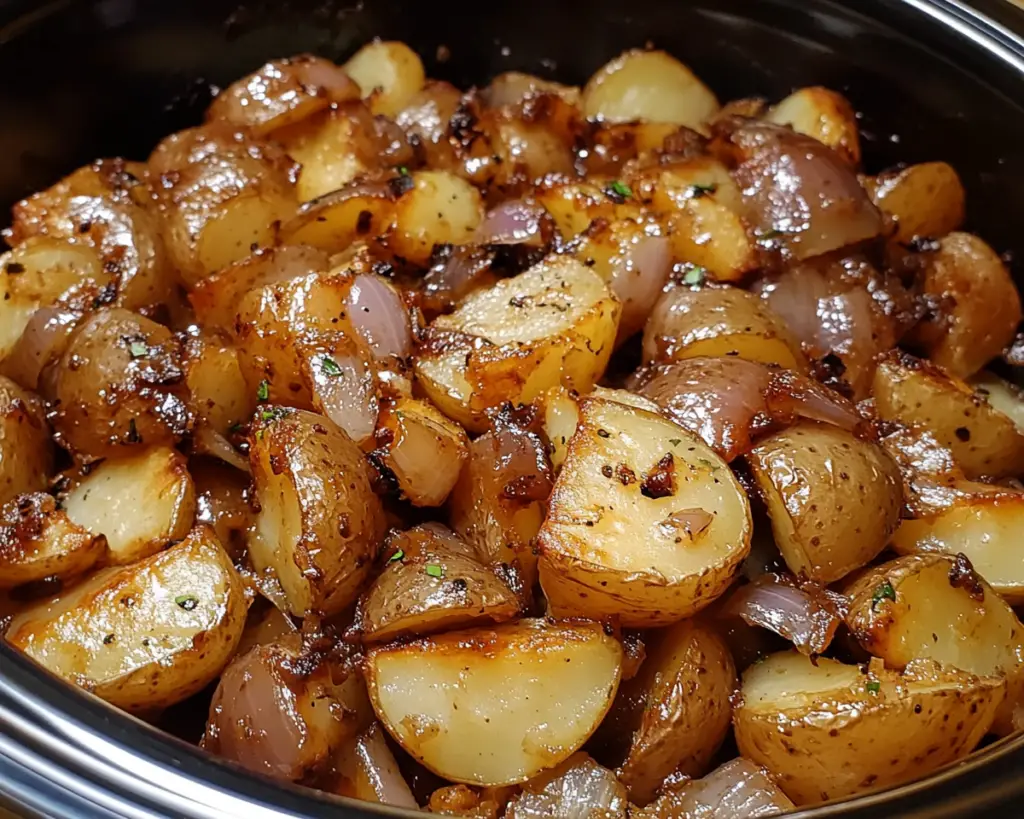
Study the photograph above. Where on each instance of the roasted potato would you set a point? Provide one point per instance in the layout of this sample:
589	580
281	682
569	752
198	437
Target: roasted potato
983	440
334	221
646	523
925	200
43	272
219	396
575	206
118	386
26	452
143	636
579	786
936	607
432	581
823	114
389	74
978	305
38	540
651	86
675	711
320	525
543	687
834	500
1001	395
711	322
555	323
222	502
438	208
847	729
139	503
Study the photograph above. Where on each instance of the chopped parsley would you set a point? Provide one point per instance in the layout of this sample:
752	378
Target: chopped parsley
330	367
404	171
397	556
187	601
675	441
263	391
434	570
272	413
138	349
873	686
621	189
884	591
695	275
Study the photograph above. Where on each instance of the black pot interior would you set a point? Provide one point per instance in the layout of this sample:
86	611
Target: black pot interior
88	78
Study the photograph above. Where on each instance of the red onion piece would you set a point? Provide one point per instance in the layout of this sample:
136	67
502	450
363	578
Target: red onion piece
638	278
379	315
513	222
367	770
207	441
736	790
343	388
456	276
43	340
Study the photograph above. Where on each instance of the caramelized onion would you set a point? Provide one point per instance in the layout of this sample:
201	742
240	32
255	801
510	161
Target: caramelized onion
379	315
736	790
577	789
458	272
638	277
366	769
43	340
207	441
515	222
342	384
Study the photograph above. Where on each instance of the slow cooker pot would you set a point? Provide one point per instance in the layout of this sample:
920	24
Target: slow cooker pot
934	79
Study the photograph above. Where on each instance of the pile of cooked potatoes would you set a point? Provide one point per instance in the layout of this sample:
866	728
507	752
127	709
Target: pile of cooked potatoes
531	451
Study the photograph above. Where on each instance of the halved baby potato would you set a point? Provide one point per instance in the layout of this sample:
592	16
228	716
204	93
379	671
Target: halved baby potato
720	321
320	524
38	540
140	503
833	498
1002	396
823	114
26	451
438	208
651	86
935	607
984	441
826	730
925	200
144	636
542	687
645	524
555	323
388	73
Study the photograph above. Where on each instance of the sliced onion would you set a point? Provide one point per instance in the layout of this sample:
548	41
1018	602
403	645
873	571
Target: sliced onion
736	790
367	770
688	523
207	441
379	315
793	395
638	277
42	341
521	465
808	617
577	789
455	276
514	222
343	387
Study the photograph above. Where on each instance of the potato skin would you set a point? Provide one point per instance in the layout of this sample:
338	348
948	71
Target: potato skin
119	385
924	200
320	525
145	636
26	452
834	499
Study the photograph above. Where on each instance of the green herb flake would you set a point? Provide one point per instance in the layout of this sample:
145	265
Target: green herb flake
236	428
402	170
138	349
884	591
697	191
618	188
330	367
397	556
273	413
873	686
675	441
187	601
695	275
434	570
263	391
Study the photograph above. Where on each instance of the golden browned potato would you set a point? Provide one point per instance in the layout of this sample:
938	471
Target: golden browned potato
983	440
320	525
26	452
274	721
710	321
281	93
219	395
106	206
139	502
389	74
978	305
432	581
823	114
38	540
577	787
46	271
1003	396
849	729
422	449
555	323
925	200
936	607
651	86
542	687
118	386
425	118
576	205
834	500
438	208
143	636
675	712
646	523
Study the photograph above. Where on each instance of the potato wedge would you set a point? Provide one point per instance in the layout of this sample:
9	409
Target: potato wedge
320	525
823	114
579	786
983	440
834	500
935	607
650	86
675	711
389	75
646	523
925	200
38	540
1002	396
139	502
145	636
979	307
847	730
432	582
26	452
543	687
555	323
713	322
439	208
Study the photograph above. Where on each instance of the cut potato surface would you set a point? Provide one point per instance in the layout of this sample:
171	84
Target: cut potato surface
541	687
823	114
827	730
646	523
26	451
